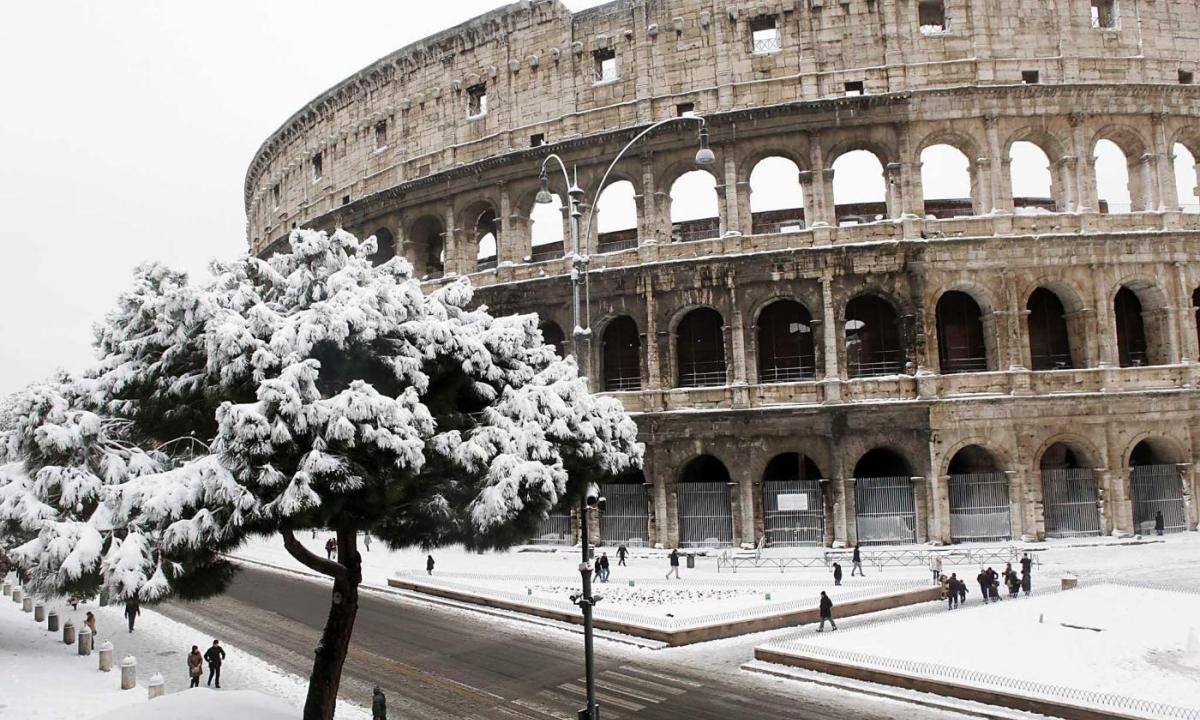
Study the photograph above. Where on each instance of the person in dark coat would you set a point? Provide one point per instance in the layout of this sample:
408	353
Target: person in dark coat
1014	585
673	558
604	567
622	552
1026	574
837	574
826	612
330	548
962	591
856	563
195	663
952	591
985	583
132	609
214	655
429	565
993	585
378	705
1159	525
597	571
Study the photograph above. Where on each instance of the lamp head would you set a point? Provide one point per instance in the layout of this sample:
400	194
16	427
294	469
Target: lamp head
704	156
543	196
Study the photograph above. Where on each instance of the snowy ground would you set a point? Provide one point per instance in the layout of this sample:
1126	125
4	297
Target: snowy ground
43	679
1136	642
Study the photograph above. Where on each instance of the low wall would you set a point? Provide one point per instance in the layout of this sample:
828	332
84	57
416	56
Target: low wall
684	635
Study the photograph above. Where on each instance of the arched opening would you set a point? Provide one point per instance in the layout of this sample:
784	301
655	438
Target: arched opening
485	232
1186	185
859	188
546	230
946	182
979	502
385	246
776	198
695	208
1070	502
961	347
1112	178
622	356
1049	338
626	517
884	507
1032	186
793	507
617	217
700	349
873	344
429	249
705	510
1131	329
553	336
1156	487
785	343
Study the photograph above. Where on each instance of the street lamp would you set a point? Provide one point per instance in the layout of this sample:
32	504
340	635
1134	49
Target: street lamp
582	335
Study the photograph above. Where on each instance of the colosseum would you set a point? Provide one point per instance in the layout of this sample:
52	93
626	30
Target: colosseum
861	359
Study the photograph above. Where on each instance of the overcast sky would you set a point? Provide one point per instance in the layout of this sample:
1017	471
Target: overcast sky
127	128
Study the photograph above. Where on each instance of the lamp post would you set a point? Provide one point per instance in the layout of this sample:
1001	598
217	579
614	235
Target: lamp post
581	317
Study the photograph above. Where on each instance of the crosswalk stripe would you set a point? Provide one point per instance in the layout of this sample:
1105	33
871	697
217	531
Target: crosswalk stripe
647	683
606	699
660	676
541	709
581	693
612	688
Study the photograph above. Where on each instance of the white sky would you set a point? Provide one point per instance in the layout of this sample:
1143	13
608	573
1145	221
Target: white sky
127	128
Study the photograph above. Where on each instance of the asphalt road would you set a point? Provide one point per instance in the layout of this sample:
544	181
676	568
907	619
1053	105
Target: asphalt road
435	662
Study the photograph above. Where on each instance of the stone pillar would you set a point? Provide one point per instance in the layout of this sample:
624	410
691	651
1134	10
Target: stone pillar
1105	331
1064	173
52	622
894	193
1164	161
509	250
1018	347
1016	502
39	612
1186	316
1146	200
921	508
452	243
737	339
731	209
806	189
983	185
939	502
828	199
156	687
128	673
27	604
912	190
85	640
650	228
1085	167
831	371
69	633
106	656
1000	197
837	486
1190	513
650	342
820	202
519	231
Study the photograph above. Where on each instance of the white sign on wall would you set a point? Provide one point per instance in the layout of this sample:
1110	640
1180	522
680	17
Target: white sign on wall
793	502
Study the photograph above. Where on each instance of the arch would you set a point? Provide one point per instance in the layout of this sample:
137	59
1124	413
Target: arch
776	198
695	207
1186	181
979	501
617	217
1049	336
546	229
1156	487
961	346
1070	498
621	355
427	236
385	244
873	338
553	335
859	188
1031	182
625	519
700	348
1132	349
705	509
485	230
786	351
947	182
884	507
1114	179
793	504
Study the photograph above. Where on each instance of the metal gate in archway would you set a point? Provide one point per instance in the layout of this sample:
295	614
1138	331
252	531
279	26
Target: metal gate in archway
625	520
979	507
793	513
1069	503
884	511
705	514
1157	488
554	529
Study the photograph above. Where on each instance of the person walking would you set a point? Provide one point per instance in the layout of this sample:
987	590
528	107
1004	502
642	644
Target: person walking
378	705
952	591
429	565
935	566
673	558
596	571
1159	525
195	663
1026	574
367	541
993	585
603	567
132	610
856	559
622	552
985	582
837	574
962	591
214	655
90	621
330	548
826	612
1014	585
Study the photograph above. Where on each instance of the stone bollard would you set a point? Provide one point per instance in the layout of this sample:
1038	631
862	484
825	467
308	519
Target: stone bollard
106	650
128	673
26	604
5	588
16	595
85	640
39	612
1070	581
156	687
68	633
52	621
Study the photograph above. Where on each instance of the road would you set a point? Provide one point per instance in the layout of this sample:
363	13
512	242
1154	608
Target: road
436	662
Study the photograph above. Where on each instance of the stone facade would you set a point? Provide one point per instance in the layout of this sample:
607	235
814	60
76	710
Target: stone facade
401	151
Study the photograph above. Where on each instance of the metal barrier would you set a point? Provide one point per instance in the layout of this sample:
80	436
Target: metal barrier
878	559
793	513
884	510
625	520
555	529
979	507
705	514
1069	503
1157	488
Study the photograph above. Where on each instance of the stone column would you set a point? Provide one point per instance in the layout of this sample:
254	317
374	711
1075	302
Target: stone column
737	339
983	174
819	209
831	371
1016	502
806	189
1105	331
1164	166
1189	500
1085	167
939	500
1063	171
1018	347
837	489
921	508
731	209
1186	316
1001	197
508	249
654	376
894	193
455	263
828	199
649	215
850	509
1145	189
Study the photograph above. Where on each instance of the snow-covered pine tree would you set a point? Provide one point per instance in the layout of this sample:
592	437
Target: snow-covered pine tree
315	390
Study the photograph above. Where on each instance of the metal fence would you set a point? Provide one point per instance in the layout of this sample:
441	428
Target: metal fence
704	373
793	513
1157	488
884	510
625	520
1069	503
555	529
705	514
979	507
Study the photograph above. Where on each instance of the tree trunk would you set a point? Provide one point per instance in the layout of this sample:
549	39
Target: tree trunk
330	653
